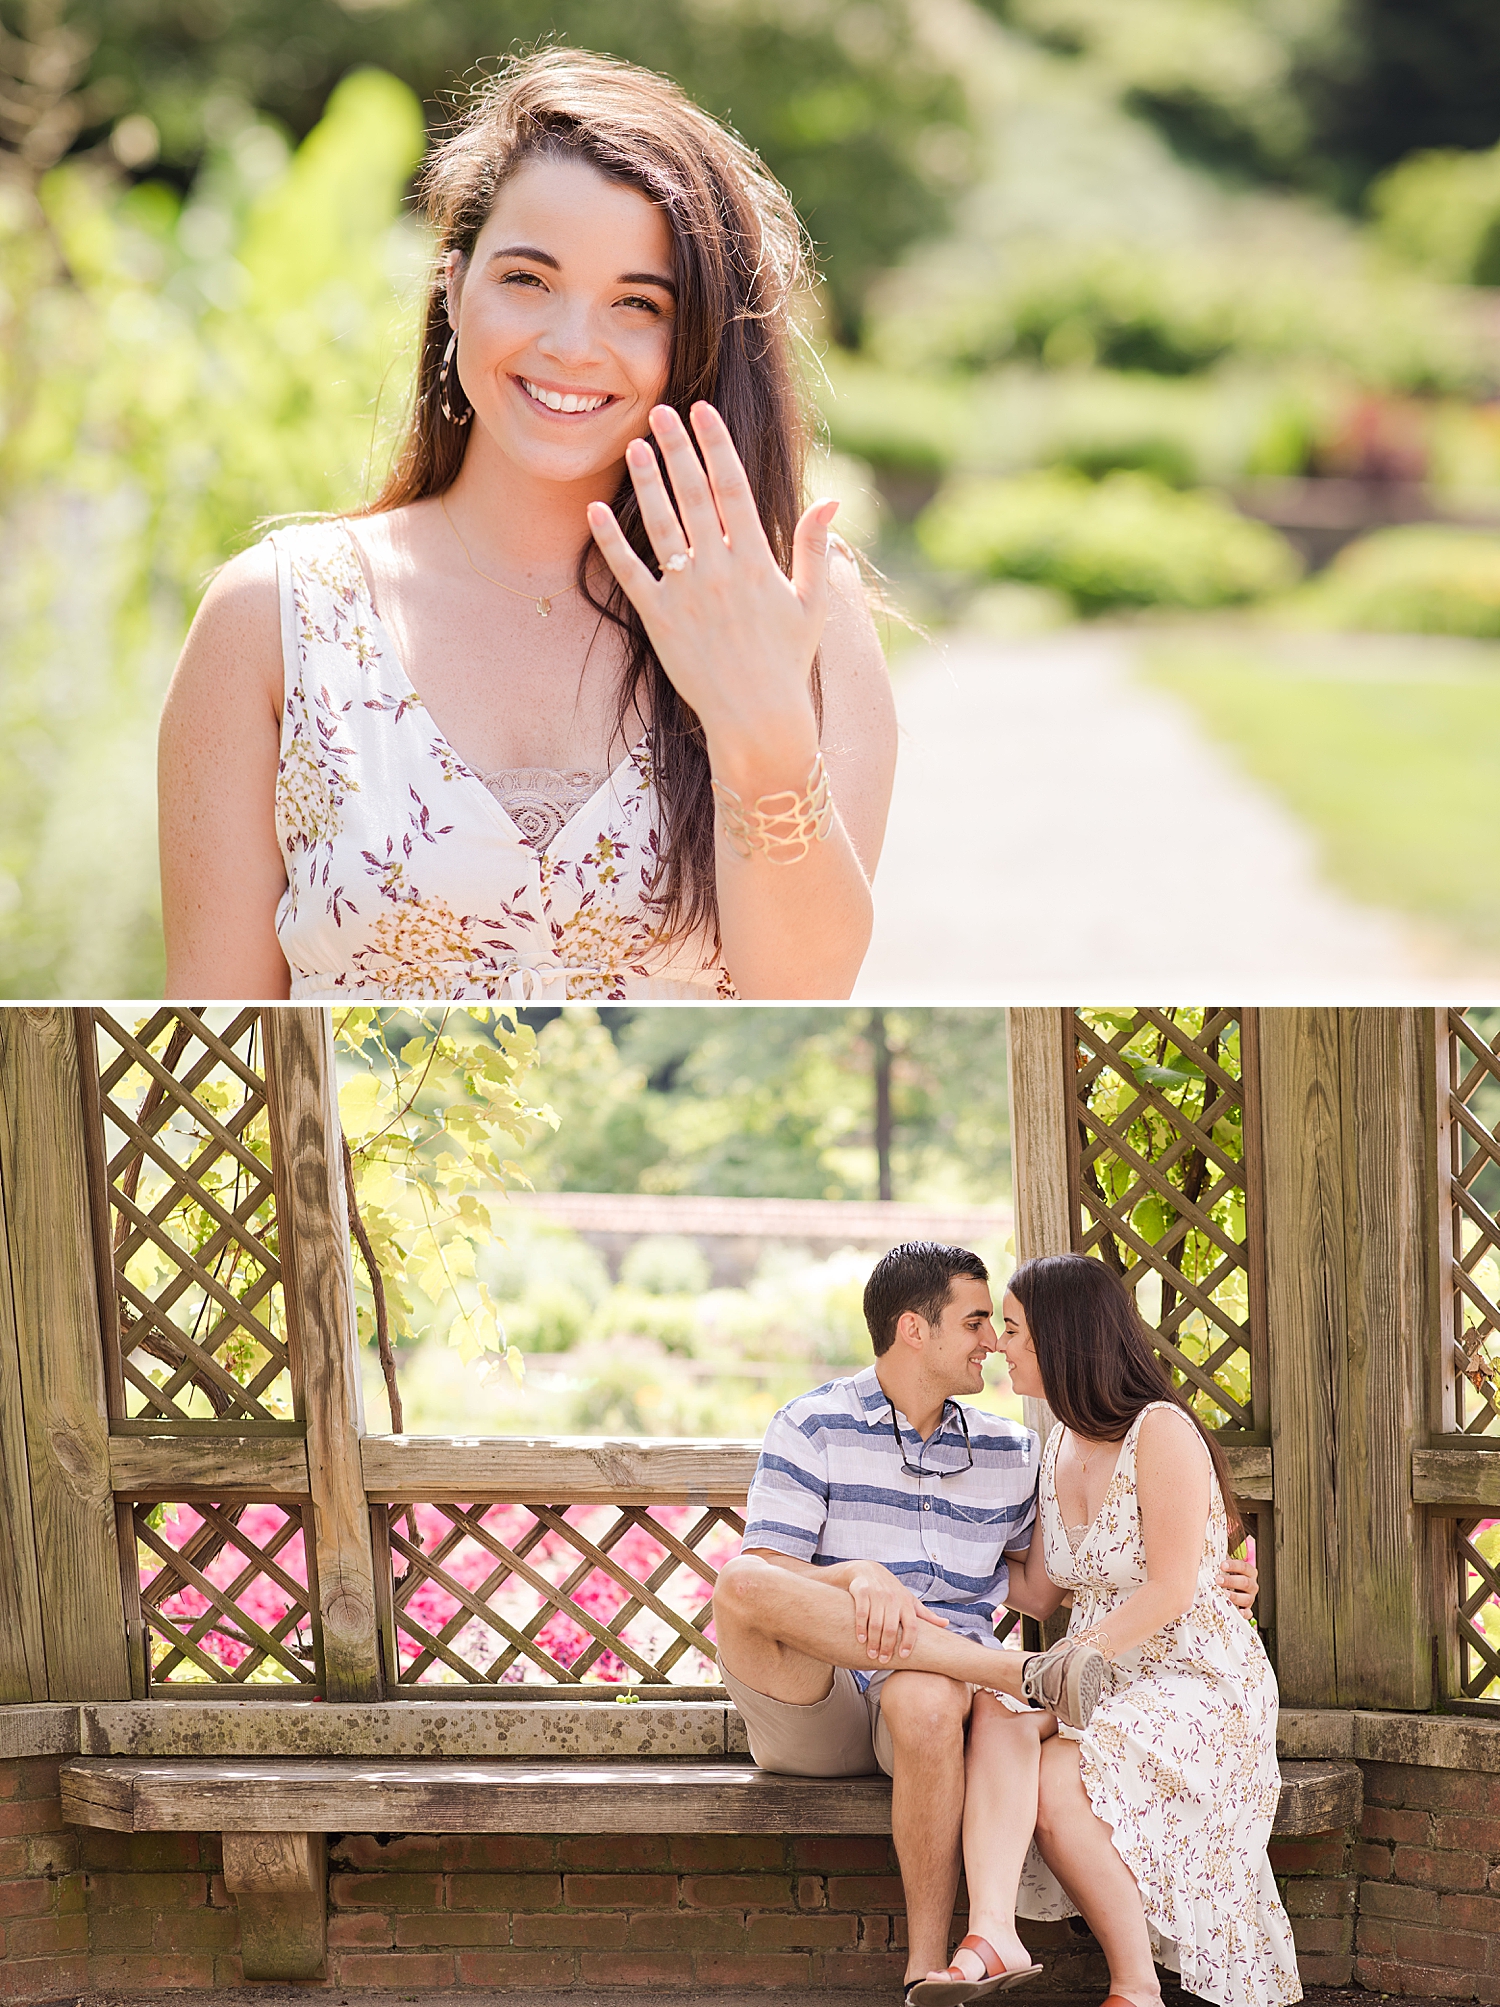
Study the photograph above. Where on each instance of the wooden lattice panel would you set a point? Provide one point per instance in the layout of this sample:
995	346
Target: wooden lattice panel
1473	1198
224	1597
520	1595
1161	1187
1479	1608
191	1220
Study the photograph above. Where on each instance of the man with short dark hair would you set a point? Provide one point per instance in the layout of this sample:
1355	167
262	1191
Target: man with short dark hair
858	1620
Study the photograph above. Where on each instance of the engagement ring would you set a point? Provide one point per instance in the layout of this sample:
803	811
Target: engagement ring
678	561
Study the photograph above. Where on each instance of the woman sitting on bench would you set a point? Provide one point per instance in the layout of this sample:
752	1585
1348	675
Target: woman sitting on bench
1153	1820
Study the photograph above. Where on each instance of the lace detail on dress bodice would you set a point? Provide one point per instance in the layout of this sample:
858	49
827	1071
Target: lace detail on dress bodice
540	801
409	874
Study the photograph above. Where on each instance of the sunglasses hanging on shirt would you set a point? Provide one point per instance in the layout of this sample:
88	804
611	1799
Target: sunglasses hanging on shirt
918	1470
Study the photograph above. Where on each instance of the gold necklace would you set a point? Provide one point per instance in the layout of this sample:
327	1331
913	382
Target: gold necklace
542	601
1077	1451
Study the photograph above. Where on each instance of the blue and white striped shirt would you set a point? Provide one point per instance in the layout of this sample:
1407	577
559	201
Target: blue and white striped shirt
830	1487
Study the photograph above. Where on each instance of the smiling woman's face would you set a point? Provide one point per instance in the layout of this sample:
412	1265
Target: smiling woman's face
1017	1344
565	319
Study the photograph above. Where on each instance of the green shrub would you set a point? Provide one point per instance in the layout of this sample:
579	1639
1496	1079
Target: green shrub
897	422
551	1317
672	1321
666	1264
1422	578
1180	312
1441	211
1125	541
1165	459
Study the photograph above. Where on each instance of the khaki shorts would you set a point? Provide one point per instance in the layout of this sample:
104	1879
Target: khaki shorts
841	1735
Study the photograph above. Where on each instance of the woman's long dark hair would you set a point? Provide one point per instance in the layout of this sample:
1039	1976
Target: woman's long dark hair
1094	1351
738	257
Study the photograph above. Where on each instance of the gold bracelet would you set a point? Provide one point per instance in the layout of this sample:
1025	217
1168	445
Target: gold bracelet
786	821
1095	1635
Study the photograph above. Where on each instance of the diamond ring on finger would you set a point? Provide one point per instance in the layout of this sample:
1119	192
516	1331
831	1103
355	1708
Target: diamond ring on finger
678	561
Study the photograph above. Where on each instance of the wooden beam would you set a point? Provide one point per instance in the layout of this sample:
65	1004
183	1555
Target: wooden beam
568	1795
313	1235
1319	1797
1385	1592
1301	1152
1041	1117
557	1469
279	1882
1041	1108
232	1470
1349	1151
572	1795
23	1658
1250	1466
1462	1480
50	1245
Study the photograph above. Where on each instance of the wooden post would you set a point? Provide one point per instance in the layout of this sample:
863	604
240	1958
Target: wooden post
23	1659
1349	1140
313	1244
1041	1114
49	1241
1041	1122
280	1885
1442	1381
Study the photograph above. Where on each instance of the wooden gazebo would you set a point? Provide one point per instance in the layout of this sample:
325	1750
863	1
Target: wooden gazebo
233	1623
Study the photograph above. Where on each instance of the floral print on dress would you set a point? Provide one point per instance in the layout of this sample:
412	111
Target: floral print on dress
1179	1757
405	877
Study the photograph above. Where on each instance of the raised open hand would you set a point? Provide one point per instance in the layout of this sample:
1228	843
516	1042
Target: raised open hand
736	636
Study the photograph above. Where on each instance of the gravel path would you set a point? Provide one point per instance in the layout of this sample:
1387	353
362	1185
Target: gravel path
1058	827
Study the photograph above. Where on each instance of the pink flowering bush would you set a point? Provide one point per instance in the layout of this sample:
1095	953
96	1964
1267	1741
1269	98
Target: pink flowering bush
262	1599
515	1601
432	1606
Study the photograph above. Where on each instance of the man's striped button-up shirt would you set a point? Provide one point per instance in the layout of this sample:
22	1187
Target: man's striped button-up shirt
830	1486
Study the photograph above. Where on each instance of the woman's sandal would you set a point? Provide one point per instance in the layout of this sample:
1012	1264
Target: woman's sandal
955	1987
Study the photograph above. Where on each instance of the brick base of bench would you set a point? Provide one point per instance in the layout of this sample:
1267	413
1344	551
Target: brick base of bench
1409	1905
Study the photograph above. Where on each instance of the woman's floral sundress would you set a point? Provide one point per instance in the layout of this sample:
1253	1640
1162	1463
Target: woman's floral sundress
405	876
1179	1758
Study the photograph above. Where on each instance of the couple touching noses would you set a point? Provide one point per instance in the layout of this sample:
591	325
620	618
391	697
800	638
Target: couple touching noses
1128	1774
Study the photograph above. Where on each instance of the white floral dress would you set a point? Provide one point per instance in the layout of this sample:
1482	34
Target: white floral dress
1179	1758
405	876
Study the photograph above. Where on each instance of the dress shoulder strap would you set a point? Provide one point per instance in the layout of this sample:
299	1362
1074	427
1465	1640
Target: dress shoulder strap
324	599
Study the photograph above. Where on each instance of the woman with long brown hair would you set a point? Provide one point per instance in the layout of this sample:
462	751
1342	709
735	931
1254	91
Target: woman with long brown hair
586	704
1152	1820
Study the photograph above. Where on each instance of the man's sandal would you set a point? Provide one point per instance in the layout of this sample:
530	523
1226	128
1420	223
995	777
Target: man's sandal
1068	1679
955	1987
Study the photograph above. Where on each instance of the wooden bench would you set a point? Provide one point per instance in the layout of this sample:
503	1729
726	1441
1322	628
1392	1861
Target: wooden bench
275	1812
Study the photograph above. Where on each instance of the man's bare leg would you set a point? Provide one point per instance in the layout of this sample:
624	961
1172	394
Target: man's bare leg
781	1632
925	1713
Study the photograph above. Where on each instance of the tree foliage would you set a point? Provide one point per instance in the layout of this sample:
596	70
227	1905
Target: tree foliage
174	369
848	105
433	1109
742	1102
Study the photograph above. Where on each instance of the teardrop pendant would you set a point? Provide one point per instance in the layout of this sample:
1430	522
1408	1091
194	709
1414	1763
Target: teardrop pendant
544	607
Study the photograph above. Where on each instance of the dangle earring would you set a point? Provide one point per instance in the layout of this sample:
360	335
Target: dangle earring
445	373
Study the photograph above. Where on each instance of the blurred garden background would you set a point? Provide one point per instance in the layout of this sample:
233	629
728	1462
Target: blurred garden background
654	1222
1175	322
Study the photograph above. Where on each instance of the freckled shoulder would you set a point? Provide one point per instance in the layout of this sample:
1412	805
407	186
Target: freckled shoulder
233	648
